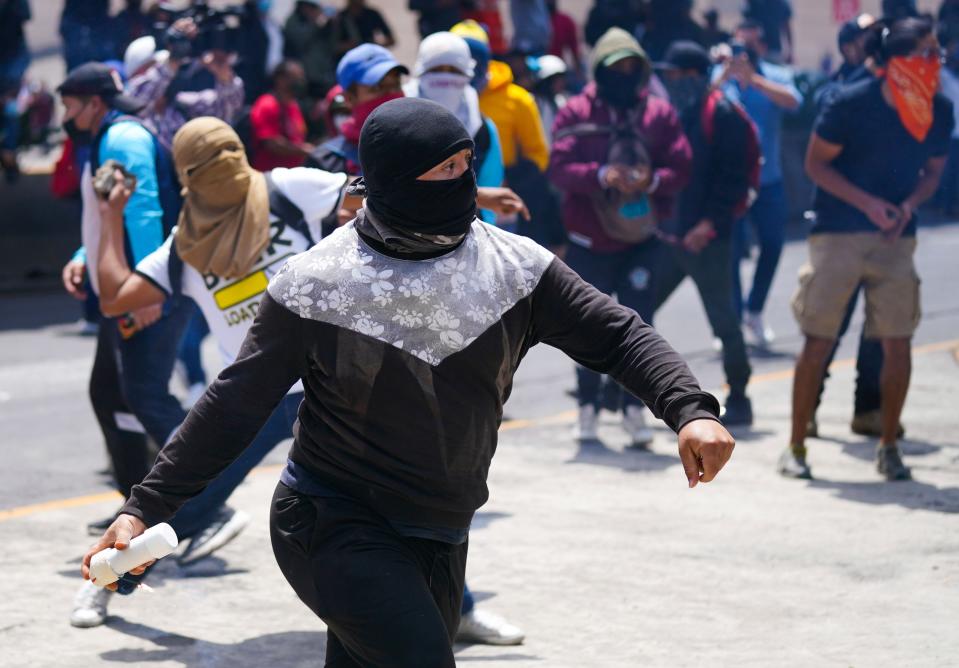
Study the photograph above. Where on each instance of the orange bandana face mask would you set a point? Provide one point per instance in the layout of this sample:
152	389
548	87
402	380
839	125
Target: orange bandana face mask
913	81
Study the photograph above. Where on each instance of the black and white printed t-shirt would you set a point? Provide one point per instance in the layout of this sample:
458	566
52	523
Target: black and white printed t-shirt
230	305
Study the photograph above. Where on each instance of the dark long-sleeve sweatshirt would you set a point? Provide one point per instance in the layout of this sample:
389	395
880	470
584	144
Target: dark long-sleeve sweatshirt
406	366
720	172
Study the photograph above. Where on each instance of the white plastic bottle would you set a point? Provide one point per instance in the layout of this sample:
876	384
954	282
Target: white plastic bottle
110	564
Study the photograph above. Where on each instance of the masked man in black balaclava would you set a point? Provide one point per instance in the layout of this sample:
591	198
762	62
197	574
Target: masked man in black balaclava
406	327
720	134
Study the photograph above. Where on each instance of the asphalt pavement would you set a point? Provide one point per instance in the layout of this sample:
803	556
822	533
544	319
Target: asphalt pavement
601	554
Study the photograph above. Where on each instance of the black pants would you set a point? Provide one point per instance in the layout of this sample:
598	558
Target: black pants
129	390
868	395
630	275
387	599
709	271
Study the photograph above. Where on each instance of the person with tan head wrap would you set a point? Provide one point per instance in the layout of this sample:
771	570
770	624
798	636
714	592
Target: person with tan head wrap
227	245
224	222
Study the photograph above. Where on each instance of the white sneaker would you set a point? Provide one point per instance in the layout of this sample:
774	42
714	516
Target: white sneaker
479	626
226	526
634	422
756	332
90	606
87	328
587	424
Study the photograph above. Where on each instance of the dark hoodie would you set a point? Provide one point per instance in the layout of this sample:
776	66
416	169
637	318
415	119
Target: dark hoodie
719	179
576	160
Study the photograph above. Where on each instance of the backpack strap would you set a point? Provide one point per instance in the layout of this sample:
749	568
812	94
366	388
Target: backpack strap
283	208
708	118
482	142
175	270
95	148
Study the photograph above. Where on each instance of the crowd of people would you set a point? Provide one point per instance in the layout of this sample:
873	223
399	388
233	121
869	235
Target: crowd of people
375	245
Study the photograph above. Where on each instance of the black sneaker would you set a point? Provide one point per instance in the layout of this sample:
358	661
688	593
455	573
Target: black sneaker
738	411
97	528
226	526
869	423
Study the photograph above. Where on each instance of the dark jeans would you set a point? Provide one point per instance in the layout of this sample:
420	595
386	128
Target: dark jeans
710	272
629	275
868	365
129	390
386	599
768	217
189	352
949	184
198	511
468	601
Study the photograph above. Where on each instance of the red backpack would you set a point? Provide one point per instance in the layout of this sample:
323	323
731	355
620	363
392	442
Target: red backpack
754	153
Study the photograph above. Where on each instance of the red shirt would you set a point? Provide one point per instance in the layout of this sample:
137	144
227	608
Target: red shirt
564	36
271	118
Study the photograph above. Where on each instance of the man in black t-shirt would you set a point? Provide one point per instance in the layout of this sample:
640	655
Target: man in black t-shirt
876	154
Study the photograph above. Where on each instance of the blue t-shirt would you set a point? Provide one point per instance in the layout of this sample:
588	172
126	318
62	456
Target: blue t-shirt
878	153
767	116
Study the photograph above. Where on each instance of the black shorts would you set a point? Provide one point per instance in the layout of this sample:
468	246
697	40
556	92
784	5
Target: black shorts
387	599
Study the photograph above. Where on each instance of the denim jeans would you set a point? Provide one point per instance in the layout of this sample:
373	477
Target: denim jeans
196	513
468	602
629	275
189	352
949	184
868	365
129	390
710	272
768	217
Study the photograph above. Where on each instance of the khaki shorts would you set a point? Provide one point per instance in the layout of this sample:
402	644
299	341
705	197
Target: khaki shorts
838	264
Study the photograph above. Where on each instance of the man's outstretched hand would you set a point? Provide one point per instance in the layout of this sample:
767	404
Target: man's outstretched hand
119	534
704	448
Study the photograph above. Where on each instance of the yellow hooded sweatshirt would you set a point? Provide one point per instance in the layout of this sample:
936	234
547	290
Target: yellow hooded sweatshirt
513	110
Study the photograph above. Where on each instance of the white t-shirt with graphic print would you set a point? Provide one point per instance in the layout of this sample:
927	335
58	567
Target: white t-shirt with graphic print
229	305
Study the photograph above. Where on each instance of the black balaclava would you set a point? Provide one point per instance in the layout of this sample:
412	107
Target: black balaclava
401	140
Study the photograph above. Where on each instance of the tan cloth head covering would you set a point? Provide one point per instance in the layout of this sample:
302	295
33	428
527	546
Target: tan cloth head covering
225	220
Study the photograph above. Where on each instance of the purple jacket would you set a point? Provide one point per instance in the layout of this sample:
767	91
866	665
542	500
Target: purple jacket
575	162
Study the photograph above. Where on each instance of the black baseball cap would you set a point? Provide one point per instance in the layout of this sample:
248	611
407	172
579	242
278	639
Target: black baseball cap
686	55
101	80
853	28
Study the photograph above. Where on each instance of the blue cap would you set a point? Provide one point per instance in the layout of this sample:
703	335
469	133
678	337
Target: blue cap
367	64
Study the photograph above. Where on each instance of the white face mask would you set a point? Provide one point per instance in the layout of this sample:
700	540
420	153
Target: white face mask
338	121
444	88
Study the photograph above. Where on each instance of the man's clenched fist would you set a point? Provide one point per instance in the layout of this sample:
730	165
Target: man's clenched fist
704	448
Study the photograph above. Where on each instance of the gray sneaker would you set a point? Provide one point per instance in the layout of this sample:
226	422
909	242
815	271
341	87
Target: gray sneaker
792	464
889	463
226	526
90	606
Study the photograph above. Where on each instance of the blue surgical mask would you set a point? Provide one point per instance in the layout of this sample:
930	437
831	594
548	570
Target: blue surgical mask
635	209
264	5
